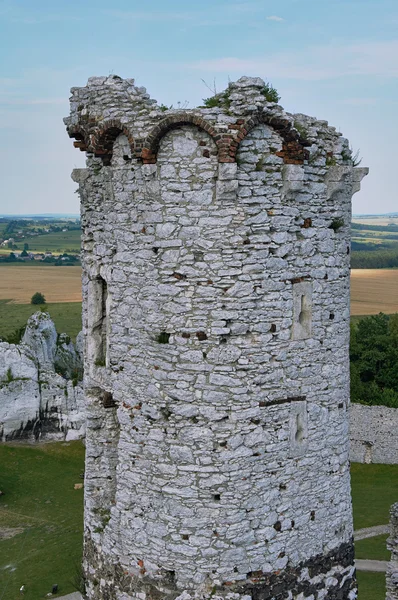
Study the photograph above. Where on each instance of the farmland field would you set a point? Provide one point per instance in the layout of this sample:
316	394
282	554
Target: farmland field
374	291
375	220
56	242
58	284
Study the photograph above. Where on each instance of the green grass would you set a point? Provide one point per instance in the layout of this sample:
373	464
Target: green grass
374	489
374	548
371	586
60	241
39	496
66	316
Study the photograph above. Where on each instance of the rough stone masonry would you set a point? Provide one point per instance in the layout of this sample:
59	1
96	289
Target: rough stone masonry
392	544
216	257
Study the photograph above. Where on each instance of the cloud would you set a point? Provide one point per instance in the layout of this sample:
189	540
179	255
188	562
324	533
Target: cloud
275	18
376	59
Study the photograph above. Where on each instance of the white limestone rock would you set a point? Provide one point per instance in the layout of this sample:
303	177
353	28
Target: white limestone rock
36	402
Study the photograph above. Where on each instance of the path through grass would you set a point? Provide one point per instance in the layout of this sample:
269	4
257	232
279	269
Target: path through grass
374	488
39	497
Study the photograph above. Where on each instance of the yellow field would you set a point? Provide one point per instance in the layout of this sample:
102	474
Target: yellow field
374	291
58	284
376	220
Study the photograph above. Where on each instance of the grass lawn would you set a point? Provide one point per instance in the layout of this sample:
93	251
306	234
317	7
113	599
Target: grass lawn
40	499
371	586
67	316
374	488
374	548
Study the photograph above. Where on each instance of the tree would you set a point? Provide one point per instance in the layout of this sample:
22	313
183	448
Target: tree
38	298
24	253
374	360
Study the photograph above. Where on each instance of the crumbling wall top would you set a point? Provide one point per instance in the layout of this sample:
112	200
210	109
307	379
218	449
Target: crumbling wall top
109	106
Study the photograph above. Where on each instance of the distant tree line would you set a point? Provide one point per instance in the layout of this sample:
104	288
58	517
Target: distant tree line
386	258
52	260
364	226
374	360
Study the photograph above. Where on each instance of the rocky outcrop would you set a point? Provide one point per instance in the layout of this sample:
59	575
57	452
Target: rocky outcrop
41	396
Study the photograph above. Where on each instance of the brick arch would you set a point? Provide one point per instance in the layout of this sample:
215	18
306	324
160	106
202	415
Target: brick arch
293	144
80	135
150	145
104	136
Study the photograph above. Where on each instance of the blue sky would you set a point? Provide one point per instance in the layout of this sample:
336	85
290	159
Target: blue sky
334	59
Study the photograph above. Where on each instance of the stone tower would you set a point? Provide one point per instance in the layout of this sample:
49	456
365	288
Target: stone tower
216	253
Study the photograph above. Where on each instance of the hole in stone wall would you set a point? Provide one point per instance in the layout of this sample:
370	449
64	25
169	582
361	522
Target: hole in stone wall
331	316
299	429
108	401
201	336
298	426
302	310
302	316
217	497
163	337
98	321
170	576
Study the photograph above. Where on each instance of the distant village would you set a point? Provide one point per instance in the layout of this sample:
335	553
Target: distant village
20	237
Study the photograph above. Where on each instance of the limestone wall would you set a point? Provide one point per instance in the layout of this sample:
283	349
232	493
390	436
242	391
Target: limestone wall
216	324
373	434
392	545
37	402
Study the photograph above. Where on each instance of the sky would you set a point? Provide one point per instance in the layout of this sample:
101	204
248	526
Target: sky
333	59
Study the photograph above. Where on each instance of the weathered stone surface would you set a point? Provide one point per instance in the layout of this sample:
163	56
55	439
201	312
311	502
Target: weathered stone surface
392	545
215	250
373	434
41	396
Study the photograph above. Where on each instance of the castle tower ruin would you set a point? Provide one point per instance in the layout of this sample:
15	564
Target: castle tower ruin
216	254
